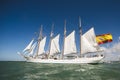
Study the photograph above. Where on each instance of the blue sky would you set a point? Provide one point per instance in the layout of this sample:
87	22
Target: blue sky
20	19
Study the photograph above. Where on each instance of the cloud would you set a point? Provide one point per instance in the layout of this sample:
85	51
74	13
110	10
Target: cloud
113	53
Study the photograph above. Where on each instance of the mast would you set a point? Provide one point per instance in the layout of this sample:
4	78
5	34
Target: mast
39	39
119	39
64	38
51	36
80	32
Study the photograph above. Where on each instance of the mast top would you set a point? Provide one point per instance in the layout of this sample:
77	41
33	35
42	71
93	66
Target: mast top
119	39
65	28
40	35
52	30
79	22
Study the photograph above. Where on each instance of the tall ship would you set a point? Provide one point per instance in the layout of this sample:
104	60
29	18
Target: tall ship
90	51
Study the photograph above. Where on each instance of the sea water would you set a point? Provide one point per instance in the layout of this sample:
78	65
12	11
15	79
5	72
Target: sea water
16	70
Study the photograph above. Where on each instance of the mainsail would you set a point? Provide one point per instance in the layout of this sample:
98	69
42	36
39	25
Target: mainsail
70	45
28	48
88	42
41	46
55	45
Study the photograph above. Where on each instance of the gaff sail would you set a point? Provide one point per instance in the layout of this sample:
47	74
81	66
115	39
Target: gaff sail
55	48
88	42
70	45
41	49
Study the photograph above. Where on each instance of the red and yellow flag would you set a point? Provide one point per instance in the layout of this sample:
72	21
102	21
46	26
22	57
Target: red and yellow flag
104	38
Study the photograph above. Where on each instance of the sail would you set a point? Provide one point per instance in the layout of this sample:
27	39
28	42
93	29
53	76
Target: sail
28	48
41	46
70	45
33	48
55	45
88	42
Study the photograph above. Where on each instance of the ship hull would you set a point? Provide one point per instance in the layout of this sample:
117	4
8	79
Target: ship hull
69	61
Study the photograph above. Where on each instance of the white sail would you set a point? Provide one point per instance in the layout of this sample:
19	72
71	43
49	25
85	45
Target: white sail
28	48
70	45
33	48
42	46
88	42
55	45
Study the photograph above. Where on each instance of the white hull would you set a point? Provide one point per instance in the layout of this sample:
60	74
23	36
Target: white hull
69	61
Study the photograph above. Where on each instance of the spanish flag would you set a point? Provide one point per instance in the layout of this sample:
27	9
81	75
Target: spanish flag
104	38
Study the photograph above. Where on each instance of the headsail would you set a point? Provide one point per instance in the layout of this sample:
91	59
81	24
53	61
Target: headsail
70	45
33	48
41	46
89	43
28	48
55	45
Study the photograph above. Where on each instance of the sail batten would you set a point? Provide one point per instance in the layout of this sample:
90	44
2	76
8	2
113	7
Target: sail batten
70	45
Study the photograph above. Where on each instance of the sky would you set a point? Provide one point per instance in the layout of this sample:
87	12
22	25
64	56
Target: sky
20	19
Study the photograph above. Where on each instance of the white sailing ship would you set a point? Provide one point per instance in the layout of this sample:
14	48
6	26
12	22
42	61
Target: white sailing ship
90	51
